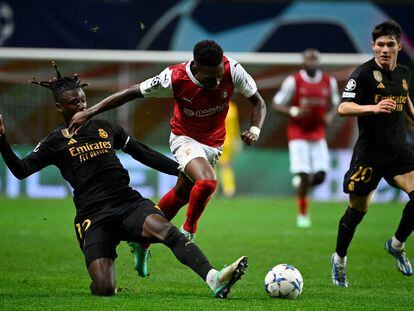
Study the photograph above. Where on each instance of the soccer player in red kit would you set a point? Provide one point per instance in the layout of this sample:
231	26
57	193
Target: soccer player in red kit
309	98
201	89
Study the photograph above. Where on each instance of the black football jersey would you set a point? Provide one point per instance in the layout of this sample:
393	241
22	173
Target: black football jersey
88	162
381	136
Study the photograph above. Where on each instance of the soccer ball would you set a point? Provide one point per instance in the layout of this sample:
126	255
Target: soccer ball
284	281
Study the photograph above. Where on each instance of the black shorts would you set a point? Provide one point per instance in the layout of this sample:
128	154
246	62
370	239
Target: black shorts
363	177
100	238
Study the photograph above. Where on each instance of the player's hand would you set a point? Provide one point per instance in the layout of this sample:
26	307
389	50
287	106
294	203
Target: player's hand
78	120
2	129
385	106
248	137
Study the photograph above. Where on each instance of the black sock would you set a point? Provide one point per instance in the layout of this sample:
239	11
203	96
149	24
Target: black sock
346	230
187	253
406	226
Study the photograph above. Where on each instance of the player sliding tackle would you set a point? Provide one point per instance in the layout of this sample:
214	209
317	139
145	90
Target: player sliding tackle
108	210
201	89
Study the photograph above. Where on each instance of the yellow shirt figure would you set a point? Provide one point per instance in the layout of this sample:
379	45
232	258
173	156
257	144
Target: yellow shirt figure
231	146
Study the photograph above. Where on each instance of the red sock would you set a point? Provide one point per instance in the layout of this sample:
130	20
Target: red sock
170	204
199	197
302	205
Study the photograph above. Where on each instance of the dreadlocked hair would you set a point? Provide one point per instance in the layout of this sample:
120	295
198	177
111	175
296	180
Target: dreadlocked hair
208	53
60	84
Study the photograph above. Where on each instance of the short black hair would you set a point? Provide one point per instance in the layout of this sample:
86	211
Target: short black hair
60	84
388	28
208	53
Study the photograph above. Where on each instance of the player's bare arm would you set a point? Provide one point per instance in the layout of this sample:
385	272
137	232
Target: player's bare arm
113	101
257	118
352	109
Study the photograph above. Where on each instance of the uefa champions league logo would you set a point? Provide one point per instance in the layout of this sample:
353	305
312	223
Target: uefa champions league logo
6	22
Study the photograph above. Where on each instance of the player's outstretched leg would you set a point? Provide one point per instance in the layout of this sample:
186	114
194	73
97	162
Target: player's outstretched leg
403	264
228	276
339	271
141	257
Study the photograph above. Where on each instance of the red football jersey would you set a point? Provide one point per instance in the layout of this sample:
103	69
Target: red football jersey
200	113
315	98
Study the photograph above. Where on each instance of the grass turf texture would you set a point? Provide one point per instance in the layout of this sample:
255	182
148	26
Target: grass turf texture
42	267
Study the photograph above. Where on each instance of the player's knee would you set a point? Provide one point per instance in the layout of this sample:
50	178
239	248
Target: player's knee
102	288
206	187
318	178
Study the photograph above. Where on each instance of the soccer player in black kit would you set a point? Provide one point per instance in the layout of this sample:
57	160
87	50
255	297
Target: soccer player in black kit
378	94
108	210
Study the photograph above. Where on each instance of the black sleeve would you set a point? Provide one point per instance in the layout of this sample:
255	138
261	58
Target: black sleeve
143	153
355	87
150	157
120	136
22	168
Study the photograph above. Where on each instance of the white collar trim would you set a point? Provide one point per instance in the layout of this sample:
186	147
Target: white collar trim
190	74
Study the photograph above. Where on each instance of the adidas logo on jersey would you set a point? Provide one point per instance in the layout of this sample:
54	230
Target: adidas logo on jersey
380	86
72	141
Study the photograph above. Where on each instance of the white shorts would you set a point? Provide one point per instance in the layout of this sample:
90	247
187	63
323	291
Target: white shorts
184	149
308	156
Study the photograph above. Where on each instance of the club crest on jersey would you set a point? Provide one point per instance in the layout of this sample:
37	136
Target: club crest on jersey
224	95
377	75
405	85
66	133
102	133
351	85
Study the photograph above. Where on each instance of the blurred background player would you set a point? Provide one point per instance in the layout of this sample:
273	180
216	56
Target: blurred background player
108	210
377	93
231	147
309	98
202	89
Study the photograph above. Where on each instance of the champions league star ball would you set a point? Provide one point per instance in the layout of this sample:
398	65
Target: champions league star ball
284	281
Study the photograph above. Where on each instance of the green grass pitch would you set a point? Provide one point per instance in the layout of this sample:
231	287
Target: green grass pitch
42	267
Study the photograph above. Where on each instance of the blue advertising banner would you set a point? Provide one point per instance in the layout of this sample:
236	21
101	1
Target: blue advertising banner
243	26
